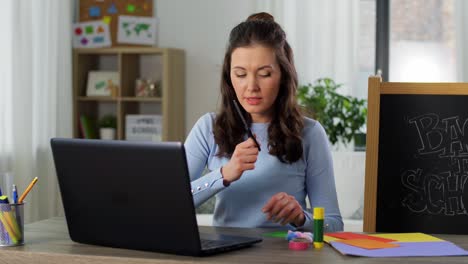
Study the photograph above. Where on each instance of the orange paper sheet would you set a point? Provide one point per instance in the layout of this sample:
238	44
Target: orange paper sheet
368	243
350	235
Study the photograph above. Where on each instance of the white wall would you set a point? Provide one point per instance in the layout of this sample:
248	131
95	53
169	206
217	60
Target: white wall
201	28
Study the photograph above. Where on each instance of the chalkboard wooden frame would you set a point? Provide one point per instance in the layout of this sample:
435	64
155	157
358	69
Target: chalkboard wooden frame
376	89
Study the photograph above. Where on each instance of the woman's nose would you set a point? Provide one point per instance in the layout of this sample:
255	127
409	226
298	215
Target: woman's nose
252	84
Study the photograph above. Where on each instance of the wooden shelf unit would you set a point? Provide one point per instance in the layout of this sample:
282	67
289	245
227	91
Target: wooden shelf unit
165	65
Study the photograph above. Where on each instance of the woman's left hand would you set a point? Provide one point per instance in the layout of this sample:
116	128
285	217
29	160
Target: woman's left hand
285	208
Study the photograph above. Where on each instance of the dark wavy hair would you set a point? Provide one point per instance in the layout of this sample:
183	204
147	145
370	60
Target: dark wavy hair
285	130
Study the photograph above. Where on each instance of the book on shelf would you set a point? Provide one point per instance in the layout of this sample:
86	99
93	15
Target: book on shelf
143	128
87	127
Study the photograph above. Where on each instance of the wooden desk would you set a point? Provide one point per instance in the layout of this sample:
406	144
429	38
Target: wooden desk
48	242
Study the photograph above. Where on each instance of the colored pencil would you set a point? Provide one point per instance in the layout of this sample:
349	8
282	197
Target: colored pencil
27	190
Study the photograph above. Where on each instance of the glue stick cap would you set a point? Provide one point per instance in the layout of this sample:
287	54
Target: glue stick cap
319	212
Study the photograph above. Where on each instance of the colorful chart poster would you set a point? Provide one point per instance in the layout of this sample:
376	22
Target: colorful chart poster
136	30
94	34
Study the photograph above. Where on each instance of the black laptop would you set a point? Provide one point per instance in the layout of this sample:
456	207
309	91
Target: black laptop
133	195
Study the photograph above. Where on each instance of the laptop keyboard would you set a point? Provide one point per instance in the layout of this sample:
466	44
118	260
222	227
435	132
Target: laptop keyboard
206	243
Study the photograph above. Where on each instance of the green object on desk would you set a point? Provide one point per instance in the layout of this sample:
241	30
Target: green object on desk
281	234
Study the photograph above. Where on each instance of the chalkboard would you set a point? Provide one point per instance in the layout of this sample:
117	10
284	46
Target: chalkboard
417	158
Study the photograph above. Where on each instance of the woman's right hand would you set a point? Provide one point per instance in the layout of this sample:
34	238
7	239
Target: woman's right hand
243	158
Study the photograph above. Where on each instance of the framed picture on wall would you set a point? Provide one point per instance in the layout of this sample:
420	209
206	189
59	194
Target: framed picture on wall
136	30
102	83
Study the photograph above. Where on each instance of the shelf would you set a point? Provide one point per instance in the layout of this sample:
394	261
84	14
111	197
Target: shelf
141	99
165	66
97	98
127	50
116	99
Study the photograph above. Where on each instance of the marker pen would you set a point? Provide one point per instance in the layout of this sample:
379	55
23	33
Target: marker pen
15	194
249	132
319	213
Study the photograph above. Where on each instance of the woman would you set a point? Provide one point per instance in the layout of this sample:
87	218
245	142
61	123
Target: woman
265	185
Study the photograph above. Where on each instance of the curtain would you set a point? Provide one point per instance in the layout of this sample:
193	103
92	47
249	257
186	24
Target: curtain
38	104
323	36
461	37
5	93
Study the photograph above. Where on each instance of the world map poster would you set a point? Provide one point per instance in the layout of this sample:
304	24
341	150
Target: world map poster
136	30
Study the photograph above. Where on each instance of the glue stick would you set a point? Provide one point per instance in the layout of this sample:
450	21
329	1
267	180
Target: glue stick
319	213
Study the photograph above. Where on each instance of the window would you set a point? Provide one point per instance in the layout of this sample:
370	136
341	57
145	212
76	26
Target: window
366	45
421	41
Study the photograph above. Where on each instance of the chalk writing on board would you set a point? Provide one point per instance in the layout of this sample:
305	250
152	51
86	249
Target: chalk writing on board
438	190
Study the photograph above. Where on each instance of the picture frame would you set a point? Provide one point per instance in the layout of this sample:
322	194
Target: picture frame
93	34
137	30
102	83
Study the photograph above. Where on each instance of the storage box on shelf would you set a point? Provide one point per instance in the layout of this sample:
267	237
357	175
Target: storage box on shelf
163	66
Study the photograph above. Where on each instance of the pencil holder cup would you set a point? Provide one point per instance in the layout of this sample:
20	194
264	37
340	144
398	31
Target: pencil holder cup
11	225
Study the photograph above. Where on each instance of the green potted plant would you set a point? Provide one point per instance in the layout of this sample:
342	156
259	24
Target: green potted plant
343	117
107	127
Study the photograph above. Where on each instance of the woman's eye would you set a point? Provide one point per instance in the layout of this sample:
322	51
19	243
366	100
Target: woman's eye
240	75
265	74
